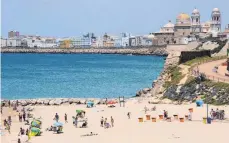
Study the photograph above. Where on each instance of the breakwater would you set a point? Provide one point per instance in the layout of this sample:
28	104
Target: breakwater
161	51
55	101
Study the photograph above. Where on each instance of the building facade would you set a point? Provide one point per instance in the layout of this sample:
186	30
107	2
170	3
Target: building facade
14	42
186	28
108	41
81	42
12	34
195	19
3	42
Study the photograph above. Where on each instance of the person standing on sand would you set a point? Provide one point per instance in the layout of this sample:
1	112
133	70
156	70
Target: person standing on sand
66	118
101	122
105	122
56	117
165	114
23	115
8	128
9	120
27	132
112	122
20	117
128	115
5	123
76	121
9	103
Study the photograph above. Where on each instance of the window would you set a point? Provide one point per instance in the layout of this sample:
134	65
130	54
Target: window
197	20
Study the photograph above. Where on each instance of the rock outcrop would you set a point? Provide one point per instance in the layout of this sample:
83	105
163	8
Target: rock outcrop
189	92
157	86
54	101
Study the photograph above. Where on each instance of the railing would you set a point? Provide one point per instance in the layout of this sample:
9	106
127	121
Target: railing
196	73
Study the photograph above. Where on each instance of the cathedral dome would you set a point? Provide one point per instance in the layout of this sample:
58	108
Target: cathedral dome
183	17
215	10
195	11
169	25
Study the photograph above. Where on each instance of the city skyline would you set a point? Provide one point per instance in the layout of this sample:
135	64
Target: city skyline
69	18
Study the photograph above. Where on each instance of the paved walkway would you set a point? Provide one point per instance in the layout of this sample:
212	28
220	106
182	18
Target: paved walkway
207	68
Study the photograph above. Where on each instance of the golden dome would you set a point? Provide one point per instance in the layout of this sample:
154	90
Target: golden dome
183	17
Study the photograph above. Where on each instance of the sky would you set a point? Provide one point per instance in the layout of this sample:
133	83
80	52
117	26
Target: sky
63	18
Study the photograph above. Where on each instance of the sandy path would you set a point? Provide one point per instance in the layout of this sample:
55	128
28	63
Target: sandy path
207	69
128	130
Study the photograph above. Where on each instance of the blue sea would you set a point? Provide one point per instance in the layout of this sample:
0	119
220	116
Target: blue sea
76	75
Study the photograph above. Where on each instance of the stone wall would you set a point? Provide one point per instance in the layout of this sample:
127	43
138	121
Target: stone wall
189	55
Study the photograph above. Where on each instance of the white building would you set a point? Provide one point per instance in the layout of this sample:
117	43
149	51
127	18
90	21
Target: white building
14	42
3	42
81	42
39	42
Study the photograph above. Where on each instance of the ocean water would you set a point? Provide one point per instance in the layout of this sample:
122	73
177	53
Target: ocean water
76	75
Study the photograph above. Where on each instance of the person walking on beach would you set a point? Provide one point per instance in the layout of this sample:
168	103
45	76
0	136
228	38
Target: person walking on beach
66	118
146	109
20	117
19	140
128	115
5	123
22	132
9	120
27	132
9	103
112	121
8	128
24	115
105	122
165	114
76	121
56	117
101	122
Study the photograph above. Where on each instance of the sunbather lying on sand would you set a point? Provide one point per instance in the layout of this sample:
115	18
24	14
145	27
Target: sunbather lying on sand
50	129
111	106
91	134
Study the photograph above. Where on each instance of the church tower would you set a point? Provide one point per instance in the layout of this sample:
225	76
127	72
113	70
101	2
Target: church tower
196	26
216	21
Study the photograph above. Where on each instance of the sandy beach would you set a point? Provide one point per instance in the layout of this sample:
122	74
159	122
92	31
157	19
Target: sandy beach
125	130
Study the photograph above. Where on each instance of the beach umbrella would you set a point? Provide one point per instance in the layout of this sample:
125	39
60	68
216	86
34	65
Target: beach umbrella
79	111
34	131
57	124
111	102
36	123
90	104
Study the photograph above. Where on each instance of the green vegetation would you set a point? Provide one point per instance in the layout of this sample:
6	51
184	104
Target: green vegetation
205	59
219	85
175	75
190	80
